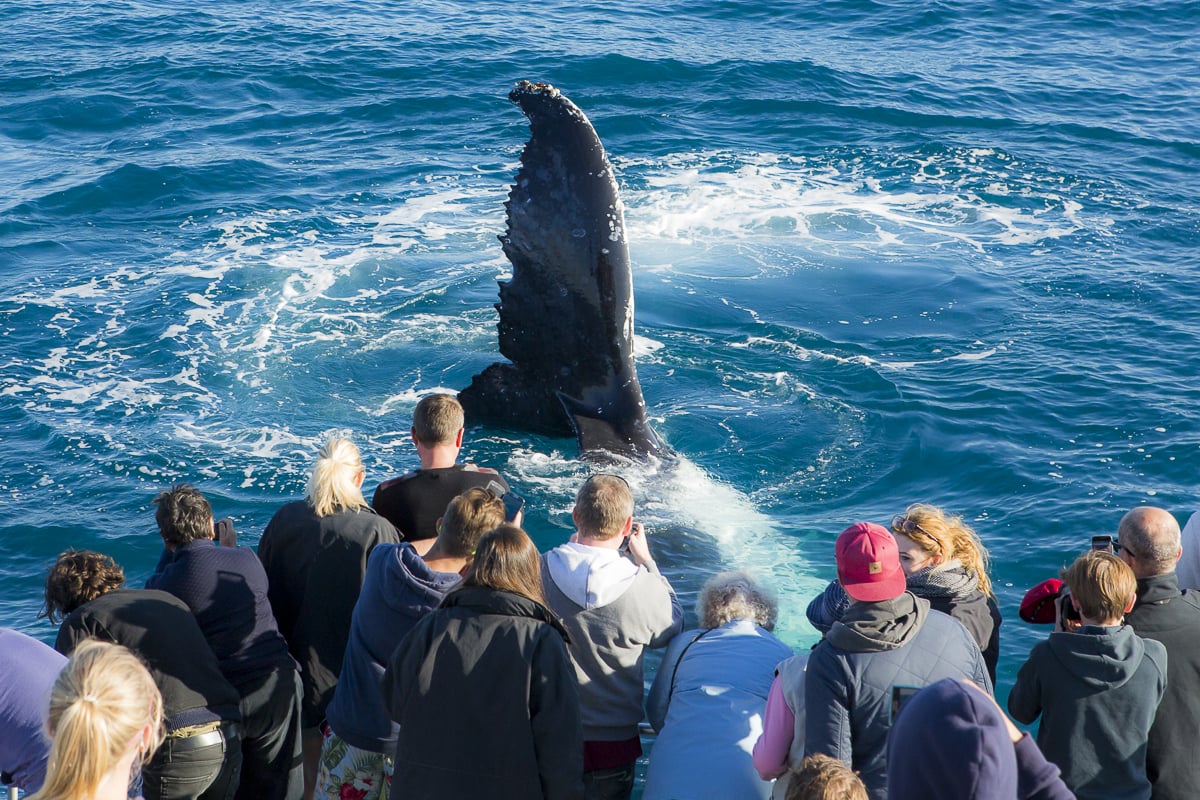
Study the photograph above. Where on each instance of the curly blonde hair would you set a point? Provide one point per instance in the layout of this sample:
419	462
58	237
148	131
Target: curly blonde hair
736	595
941	534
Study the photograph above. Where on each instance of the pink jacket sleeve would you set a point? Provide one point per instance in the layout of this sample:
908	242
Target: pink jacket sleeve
779	726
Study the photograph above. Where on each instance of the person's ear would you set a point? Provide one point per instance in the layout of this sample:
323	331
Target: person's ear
413	433
627	527
459	437
359	478
1074	602
1130	604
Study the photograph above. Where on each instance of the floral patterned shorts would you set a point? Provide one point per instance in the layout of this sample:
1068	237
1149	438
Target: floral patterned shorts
347	773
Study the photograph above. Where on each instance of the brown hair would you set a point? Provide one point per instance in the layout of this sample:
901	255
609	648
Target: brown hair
507	559
1102	584
468	517
603	505
437	419
822	777
938	533
101	701
77	577
183	515
736	595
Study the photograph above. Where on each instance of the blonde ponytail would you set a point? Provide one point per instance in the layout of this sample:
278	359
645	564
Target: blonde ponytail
334	484
101	702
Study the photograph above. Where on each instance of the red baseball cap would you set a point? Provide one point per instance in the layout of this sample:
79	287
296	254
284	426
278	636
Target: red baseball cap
868	563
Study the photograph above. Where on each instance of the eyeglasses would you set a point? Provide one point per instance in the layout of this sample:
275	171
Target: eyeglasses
1118	547
905	525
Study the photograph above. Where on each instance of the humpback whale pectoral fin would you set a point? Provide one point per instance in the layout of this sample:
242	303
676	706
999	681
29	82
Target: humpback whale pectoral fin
604	422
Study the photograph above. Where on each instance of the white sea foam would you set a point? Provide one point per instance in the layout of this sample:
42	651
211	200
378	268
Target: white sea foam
835	206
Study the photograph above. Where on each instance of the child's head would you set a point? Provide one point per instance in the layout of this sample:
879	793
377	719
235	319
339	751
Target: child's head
1101	585
468	517
821	777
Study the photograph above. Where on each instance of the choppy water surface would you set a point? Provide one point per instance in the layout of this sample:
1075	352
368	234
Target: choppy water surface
884	253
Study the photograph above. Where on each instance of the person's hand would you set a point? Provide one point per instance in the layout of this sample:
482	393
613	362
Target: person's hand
226	535
1061	621
1014	733
639	545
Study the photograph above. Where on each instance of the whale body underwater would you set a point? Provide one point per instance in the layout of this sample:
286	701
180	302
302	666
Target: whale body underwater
566	316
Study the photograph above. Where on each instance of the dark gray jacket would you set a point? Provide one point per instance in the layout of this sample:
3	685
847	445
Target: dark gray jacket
852	674
1096	690
1165	614
487	702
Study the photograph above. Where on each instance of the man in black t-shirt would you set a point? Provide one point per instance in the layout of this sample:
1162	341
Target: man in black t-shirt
413	502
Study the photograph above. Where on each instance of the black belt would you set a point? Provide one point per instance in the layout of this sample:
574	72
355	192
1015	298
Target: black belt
206	739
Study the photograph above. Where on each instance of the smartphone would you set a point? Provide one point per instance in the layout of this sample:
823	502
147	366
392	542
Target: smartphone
900	696
513	503
1102	543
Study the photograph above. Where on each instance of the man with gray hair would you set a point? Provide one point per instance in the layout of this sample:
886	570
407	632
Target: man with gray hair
1148	540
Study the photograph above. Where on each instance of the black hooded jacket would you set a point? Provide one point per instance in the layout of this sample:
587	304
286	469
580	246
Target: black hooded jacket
487	702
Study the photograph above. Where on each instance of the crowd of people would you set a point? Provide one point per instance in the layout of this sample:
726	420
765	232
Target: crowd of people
420	646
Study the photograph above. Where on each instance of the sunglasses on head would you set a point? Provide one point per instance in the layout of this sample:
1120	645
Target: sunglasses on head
905	525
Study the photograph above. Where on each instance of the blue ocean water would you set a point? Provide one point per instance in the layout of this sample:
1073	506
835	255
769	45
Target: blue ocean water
884	253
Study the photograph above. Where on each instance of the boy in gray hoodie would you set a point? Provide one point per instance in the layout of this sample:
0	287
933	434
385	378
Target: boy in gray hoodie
614	608
1096	688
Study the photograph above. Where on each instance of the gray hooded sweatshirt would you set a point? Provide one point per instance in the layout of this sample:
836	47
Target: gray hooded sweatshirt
613	610
1097	690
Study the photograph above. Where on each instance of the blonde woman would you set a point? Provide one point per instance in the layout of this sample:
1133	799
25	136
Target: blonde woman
315	553
105	719
945	563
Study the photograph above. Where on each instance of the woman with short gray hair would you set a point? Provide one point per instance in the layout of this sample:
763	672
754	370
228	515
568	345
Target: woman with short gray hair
708	697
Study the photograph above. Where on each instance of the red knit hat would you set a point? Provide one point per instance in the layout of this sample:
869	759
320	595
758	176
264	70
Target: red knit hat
1038	604
868	563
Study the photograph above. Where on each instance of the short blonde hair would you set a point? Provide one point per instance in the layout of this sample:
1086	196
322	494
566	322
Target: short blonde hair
736	595
469	516
333	485
101	700
437	419
603	505
941	534
1102	584
823	777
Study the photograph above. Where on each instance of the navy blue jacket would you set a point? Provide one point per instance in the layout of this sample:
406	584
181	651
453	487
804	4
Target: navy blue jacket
226	589
950	742
398	590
